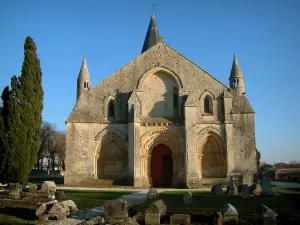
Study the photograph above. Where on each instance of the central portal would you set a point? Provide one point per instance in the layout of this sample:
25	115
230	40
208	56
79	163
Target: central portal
161	166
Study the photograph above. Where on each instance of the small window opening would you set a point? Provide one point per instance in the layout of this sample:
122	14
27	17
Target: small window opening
237	83
208	105
175	97
88	85
84	84
111	110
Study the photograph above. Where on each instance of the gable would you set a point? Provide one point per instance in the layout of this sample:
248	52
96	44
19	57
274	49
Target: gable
159	57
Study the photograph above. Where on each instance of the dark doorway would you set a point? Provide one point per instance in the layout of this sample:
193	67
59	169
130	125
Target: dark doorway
167	170
161	166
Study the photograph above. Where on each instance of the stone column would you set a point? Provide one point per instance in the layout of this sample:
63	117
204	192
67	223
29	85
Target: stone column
200	156
192	172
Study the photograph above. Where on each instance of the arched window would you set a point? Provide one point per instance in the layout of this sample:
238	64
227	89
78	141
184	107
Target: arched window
208	105
111	109
84	84
175	97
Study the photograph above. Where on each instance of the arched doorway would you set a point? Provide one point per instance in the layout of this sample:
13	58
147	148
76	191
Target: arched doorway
213	160
161	166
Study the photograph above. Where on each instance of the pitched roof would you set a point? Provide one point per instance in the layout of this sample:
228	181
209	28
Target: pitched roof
152	36
240	104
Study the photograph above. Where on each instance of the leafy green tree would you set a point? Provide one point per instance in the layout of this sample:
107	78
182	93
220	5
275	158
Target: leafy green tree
21	119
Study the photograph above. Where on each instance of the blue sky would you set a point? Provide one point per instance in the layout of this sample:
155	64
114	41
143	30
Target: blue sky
264	34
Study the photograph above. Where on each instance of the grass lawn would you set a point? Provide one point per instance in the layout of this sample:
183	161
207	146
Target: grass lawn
92	199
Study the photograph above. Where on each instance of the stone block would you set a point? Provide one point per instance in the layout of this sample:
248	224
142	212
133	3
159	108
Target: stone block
248	177
71	205
152	194
43	217
113	221
157	207
129	221
216	190
267	215
187	198
231	188
152	218
180	219
115	209
14	191
230	215
32	188
48	187
59	210
94	221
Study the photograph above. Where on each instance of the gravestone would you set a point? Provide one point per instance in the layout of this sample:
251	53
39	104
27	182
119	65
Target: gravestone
59	210
231	188
14	191
180	219
245	191
266	187
95	220
187	198
115	211
48	187
257	190
248	177
216	190
230	215
152	194
153	213
71	205
267	215
32	188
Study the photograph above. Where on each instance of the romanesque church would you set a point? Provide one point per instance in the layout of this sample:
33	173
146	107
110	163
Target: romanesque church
160	121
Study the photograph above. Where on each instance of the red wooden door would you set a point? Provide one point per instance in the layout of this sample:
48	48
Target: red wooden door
157	164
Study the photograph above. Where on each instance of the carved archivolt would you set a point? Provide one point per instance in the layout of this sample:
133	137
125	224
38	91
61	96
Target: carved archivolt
215	133
167	137
211	151
113	130
105	138
161	136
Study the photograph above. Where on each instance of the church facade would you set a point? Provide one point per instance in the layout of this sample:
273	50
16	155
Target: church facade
159	121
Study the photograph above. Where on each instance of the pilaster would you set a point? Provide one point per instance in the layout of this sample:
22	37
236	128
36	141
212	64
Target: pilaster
191	159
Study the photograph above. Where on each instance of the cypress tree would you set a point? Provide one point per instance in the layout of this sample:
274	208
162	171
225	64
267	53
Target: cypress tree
21	119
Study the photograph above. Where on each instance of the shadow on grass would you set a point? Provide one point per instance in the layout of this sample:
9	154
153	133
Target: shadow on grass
17	216
40	180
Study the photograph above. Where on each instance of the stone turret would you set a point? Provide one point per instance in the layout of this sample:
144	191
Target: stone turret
83	80
236	78
152	36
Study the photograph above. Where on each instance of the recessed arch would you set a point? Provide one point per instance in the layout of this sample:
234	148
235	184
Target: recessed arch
158	69
106	104
110	156
211	151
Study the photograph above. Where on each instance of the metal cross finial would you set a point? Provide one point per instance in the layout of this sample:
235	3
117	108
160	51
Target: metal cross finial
153	7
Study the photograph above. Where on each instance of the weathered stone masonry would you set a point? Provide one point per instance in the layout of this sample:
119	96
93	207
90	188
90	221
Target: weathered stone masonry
159	100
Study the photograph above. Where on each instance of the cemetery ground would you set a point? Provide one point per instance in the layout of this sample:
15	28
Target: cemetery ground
203	205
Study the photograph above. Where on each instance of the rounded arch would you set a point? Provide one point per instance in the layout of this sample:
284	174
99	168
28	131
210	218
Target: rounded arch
106	103
211	151
174	142
113	130
215	133
110	156
158	69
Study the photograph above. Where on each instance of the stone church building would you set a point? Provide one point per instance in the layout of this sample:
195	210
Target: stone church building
158	121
